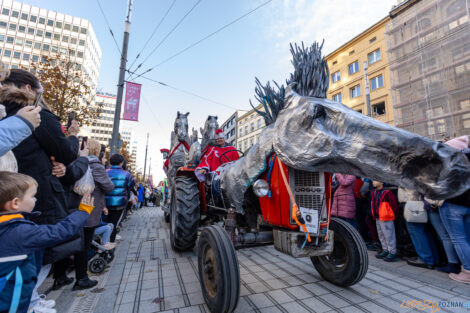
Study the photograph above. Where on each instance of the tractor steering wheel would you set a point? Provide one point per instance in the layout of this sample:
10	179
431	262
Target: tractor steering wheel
223	155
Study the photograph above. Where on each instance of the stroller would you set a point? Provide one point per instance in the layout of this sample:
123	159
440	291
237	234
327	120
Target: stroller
98	256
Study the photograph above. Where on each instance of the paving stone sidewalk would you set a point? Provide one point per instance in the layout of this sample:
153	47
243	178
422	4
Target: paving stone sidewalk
147	276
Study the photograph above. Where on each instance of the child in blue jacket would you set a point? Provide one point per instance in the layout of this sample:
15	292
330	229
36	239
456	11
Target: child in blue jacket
20	238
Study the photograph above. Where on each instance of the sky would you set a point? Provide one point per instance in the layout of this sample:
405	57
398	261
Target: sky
223	67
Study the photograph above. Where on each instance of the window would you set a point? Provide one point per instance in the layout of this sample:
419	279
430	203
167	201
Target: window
7	53
19	42
376	82
335	77
55	49
17	55
81	42
24	16
372	40
65	38
335	62
378	109
30	31
25	57
73	41
2	38
240	132
14	66
39	33
355	91
80	54
456	6
351	52
50	23
63	50
246	129
48	35
67	26
42	20
6	12
12	26
33	18
359	111
15	14
75	28
259	123
10	39
56	36
374	56
83	30
45	47
28	43
252	127
353	67
3	25
37	45
337	98
21	29
58	24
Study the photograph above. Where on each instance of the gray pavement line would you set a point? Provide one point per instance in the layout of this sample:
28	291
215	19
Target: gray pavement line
152	250
181	283
138	290
120	284
161	292
251	303
305	289
202	308
277	304
165	251
196	271
137	254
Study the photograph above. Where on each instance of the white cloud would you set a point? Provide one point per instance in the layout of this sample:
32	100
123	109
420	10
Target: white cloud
336	21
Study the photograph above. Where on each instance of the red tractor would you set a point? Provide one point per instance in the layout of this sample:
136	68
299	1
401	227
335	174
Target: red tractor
336	249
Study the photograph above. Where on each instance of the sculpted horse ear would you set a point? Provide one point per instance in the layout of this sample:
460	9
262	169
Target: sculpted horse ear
178	114
186	114
202	131
215	118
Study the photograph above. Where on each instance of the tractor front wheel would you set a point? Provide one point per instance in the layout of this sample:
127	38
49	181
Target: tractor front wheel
348	262
184	213
219	274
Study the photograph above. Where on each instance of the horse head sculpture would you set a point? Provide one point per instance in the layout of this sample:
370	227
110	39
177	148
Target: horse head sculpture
311	133
181	127
208	133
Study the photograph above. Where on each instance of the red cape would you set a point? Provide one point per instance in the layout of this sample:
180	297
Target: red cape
211	159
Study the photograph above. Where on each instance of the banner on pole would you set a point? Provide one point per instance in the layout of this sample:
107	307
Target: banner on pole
132	101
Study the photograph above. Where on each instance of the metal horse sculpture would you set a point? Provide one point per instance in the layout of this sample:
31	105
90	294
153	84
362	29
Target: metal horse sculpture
309	132
179	146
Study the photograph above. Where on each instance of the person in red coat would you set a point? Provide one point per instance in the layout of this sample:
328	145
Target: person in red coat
215	156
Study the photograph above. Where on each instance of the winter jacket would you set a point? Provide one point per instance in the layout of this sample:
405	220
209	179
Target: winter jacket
73	173
140	193
384	205
33	155
344	204
123	183
18	237
103	185
463	199
13	130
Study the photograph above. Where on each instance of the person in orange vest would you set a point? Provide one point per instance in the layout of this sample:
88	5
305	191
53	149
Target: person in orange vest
384	208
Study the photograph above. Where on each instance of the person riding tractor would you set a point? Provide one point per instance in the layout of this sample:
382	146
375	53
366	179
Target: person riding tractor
215	156
166	154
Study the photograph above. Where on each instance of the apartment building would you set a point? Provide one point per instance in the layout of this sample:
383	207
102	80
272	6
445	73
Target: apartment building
102	128
28	32
230	128
249	126
347	82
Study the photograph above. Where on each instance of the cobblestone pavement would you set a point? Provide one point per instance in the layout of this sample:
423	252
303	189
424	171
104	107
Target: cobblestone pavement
147	276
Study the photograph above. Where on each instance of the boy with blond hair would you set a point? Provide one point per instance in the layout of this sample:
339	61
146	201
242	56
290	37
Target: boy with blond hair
20	238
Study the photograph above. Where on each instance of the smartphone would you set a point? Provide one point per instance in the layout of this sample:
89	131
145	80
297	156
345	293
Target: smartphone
84	140
38	98
70	119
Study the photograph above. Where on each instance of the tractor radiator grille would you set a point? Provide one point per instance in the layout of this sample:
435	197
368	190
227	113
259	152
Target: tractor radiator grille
306	179
312	201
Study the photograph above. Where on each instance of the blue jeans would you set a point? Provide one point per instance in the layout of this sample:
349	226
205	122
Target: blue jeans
456	220
423	242
436	222
106	230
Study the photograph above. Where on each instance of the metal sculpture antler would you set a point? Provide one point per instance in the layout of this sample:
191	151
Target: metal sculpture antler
311	73
272	100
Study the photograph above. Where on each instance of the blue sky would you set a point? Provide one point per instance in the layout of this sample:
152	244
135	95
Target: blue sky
221	68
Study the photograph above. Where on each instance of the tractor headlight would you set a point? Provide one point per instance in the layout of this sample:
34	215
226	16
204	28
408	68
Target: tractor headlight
261	188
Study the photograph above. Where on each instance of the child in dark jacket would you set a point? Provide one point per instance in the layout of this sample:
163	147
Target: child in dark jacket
384	208
20	238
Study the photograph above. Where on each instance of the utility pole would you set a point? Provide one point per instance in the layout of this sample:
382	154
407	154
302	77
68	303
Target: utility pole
366	78
122	74
150	167
145	162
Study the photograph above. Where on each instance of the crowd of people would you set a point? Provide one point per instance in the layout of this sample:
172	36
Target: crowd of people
402	224
57	194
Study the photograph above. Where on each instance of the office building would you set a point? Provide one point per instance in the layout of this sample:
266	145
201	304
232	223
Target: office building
249	126
102	128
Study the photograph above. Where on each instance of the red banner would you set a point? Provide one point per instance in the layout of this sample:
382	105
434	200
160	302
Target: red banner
132	101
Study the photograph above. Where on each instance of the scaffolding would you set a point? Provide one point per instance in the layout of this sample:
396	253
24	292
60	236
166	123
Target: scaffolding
428	46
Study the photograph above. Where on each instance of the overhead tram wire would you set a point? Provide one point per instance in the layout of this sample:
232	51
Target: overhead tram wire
189	93
167	35
153	33
109	27
199	41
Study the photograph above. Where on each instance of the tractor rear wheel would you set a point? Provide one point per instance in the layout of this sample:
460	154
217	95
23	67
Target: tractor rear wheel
348	262
219	274
184	213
